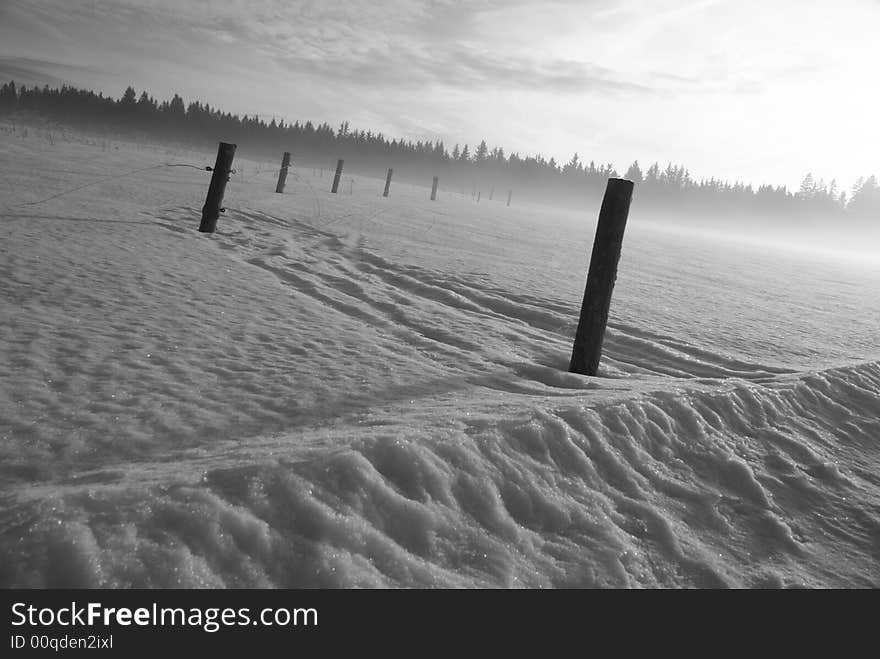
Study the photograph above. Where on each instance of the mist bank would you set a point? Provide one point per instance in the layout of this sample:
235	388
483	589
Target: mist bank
817	211
851	240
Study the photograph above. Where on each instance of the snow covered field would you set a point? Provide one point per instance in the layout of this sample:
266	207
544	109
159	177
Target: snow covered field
346	390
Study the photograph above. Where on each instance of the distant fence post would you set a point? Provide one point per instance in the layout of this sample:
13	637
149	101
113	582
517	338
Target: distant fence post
434	189
337	176
388	182
590	332
491	194
282	174
509	195
351	186
479	194
222	167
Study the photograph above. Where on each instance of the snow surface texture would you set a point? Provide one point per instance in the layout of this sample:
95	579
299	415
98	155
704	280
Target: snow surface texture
346	390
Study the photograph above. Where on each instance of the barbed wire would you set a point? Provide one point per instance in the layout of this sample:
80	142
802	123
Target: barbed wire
207	168
259	172
317	199
105	179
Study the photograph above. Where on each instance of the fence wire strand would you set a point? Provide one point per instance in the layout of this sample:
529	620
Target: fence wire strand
105	179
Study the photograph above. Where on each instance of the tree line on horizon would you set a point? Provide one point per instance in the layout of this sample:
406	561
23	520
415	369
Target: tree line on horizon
670	190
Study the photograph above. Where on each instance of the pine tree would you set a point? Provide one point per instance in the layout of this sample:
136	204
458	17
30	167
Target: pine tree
8	97
865	202
482	153
129	98
634	173
808	187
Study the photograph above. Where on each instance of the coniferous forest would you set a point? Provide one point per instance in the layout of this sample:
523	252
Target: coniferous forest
666	190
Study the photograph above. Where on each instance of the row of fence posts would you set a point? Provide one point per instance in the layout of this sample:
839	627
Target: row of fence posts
604	259
223	167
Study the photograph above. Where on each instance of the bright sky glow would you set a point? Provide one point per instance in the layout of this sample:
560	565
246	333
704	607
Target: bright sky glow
759	91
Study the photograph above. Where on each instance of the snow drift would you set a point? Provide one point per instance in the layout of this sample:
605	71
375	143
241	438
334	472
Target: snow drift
347	390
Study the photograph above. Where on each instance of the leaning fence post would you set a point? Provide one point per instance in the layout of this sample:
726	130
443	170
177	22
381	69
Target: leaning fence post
479	194
509	194
337	176
434	189
282	174
387	182
587	348
212	208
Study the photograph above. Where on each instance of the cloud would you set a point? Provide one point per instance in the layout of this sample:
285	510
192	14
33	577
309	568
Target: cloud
462	69
28	71
396	44
405	45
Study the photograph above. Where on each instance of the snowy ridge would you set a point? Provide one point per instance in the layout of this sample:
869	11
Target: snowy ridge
690	488
345	390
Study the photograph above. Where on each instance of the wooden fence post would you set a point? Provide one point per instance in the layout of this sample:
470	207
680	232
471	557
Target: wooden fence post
434	189
479	194
212	208
282	174
509	195
602	273
337	176
387	182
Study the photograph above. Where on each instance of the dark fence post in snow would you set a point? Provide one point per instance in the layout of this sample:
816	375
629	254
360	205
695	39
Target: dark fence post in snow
212	208
509	194
434	189
387	182
337	176
587	348
282	174
479	194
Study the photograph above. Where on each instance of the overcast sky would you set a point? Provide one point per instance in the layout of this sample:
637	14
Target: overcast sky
755	90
